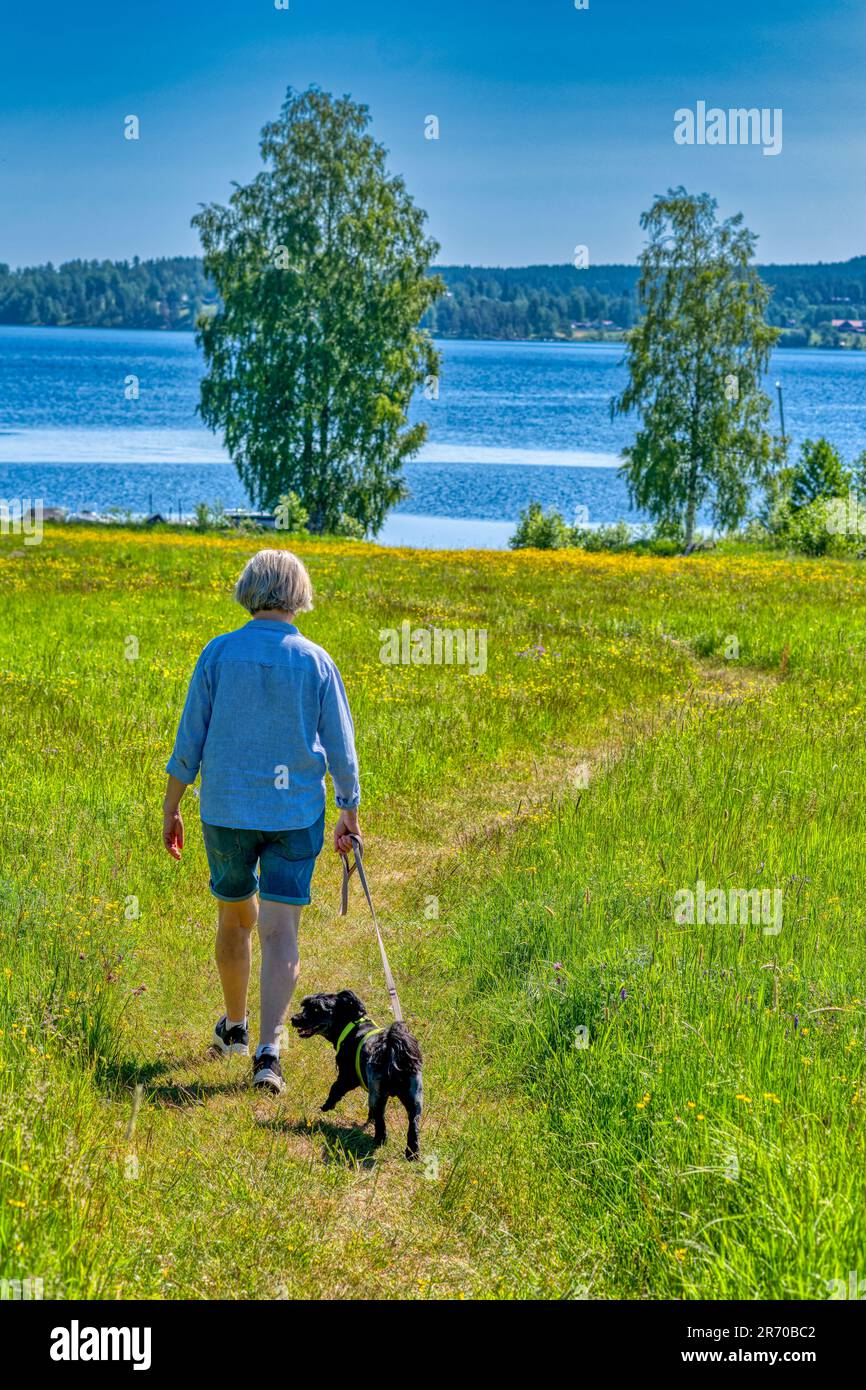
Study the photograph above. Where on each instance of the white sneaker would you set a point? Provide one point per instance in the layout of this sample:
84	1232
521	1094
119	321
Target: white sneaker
231	1040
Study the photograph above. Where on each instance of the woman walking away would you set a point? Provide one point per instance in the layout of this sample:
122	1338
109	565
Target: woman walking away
265	716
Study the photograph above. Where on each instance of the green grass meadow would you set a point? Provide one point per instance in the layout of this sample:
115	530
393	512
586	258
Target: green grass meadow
618	1105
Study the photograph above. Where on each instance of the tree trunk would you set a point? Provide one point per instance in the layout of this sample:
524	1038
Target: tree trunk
690	519
691	500
322	471
316	521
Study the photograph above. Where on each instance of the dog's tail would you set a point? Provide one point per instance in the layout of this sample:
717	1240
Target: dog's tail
403	1055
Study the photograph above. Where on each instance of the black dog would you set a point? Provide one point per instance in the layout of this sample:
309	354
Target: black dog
385	1060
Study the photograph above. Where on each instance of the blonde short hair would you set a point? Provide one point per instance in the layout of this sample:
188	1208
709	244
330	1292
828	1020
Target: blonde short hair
275	580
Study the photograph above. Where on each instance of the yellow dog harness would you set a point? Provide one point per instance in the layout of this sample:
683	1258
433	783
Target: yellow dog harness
350	1027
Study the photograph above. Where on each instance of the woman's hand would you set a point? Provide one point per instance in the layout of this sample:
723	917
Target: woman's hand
172	820
172	830
346	826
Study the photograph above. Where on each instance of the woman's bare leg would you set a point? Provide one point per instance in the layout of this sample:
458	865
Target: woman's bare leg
278	937
233	955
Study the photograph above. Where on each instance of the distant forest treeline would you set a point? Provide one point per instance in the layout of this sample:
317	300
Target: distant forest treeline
166	293
541	301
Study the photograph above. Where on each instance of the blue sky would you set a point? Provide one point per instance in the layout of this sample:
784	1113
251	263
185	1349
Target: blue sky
556	125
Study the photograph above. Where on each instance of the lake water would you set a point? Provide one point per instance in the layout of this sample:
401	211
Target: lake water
513	422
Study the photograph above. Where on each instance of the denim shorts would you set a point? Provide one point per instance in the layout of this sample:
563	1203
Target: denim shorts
285	861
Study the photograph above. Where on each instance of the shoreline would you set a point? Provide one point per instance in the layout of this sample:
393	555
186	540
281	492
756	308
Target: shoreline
400	530
618	339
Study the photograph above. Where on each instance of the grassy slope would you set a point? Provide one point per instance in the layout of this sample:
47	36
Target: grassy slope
561	1170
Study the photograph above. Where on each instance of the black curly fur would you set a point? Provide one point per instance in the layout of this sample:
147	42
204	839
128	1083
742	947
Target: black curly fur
390	1060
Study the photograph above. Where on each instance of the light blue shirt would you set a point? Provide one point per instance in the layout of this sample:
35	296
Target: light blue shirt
266	715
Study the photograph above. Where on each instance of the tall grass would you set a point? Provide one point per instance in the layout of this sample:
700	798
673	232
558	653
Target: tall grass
702	1085
708	1139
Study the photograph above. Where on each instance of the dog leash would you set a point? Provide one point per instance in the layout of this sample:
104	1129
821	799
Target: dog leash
358	849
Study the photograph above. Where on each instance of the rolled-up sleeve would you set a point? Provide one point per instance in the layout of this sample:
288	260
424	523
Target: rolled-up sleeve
337	734
185	760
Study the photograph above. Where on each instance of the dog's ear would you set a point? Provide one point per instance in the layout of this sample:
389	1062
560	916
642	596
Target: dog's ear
350	1005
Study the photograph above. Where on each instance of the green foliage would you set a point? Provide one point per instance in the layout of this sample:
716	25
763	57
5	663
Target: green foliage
290	513
165	293
810	531
322	265
540	530
815	506
820	473
546	301
615	537
547	530
542	301
696	362
292	516
209	516
858	476
350	528
596	301
667	537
